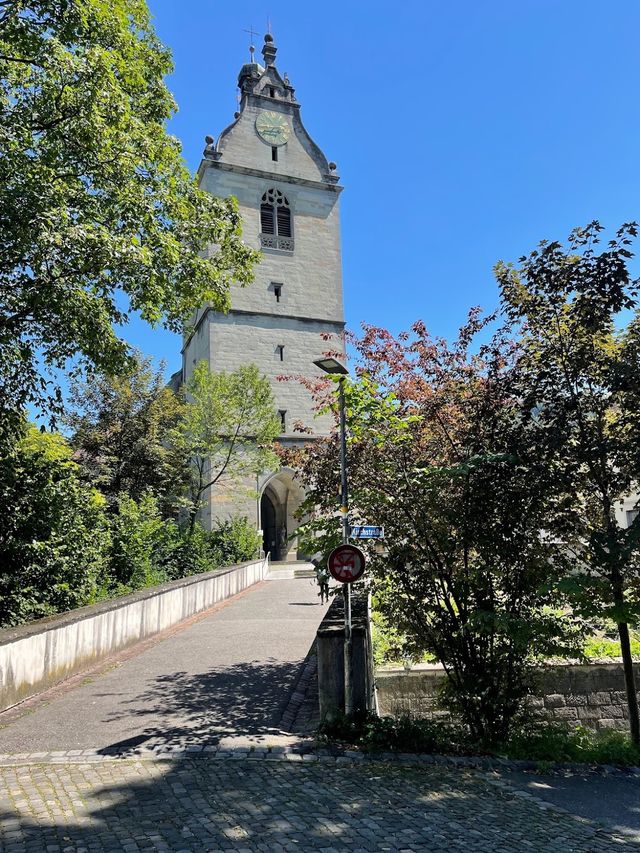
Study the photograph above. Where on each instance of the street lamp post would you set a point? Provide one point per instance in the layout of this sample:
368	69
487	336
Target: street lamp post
333	366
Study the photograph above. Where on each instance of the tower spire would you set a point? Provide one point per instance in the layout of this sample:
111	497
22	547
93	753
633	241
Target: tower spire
269	50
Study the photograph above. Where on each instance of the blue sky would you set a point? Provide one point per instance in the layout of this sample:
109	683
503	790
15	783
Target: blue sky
464	132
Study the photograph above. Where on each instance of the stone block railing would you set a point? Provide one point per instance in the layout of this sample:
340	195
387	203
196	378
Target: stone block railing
592	695
330	654
36	656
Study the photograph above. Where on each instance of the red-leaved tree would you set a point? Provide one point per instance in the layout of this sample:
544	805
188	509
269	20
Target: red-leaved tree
441	454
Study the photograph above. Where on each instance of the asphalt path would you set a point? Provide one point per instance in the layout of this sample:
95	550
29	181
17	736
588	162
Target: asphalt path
613	801
228	674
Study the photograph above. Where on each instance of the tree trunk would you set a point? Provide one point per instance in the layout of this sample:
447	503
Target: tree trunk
625	648
630	682
193	514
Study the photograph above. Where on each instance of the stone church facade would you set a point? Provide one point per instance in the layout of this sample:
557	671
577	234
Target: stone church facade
288	195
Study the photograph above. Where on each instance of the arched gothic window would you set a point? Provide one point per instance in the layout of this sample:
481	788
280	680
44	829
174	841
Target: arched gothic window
275	214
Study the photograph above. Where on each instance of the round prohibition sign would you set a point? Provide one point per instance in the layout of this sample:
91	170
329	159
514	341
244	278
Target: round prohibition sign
346	563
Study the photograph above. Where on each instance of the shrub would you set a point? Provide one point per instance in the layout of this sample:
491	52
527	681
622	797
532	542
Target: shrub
59	549
387	642
542	742
184	552
392	647
234	541
138	535
53	531
148	550
402	734
555	742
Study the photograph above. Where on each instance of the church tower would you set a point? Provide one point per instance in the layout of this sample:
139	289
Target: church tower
288	196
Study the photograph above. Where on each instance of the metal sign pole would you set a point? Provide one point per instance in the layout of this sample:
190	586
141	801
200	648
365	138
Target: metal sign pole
344	509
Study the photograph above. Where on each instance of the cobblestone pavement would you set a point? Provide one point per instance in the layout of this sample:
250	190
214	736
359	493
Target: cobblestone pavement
274	805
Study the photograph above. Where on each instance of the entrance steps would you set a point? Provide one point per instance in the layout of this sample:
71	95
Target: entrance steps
280	569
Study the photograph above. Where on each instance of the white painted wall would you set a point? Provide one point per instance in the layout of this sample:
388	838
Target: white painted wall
35	657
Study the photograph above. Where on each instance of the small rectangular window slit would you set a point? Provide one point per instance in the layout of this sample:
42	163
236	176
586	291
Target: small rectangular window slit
274	153
282	414
280	351
277	291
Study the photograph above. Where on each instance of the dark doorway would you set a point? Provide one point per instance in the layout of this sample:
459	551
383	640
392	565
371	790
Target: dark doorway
269	527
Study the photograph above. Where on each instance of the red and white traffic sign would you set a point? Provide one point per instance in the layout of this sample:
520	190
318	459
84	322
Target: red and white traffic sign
346	563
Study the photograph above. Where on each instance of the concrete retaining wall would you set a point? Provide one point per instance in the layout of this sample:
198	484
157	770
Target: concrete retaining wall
36	656
591	695
331	662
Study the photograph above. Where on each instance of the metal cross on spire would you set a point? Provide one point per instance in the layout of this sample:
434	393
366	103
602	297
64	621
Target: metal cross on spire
252	33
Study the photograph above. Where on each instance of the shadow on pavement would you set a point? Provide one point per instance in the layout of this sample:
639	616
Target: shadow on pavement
181	708
207	805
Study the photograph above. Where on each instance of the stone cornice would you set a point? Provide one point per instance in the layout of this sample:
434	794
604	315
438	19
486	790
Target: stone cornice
206	163
324	321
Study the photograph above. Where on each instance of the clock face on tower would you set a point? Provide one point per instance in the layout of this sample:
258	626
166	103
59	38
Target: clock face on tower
273	128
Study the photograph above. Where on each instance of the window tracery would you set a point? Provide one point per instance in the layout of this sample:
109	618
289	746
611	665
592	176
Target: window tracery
276	221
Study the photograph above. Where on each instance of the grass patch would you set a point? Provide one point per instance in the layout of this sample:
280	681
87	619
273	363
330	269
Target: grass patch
544	743
605	647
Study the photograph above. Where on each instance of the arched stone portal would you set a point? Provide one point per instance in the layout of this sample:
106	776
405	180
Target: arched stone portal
270	527
280	500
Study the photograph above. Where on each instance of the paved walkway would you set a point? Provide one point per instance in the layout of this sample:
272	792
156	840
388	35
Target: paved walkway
218	689
229	674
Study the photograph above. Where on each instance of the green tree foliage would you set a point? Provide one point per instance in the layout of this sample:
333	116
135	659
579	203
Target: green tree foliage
138	533
183	552
121	426
147	550
89	520
579	382
226	429
60	549
98	214
438	455
234	540
53	532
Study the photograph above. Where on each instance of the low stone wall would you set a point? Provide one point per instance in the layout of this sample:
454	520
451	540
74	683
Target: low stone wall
36	656
590	695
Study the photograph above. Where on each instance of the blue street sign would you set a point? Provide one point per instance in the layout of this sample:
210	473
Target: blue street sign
367	531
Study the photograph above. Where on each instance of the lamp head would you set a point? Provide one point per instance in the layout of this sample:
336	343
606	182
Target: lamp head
331	365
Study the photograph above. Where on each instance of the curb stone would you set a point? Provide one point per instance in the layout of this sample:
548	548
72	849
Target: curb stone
310	750
291	719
